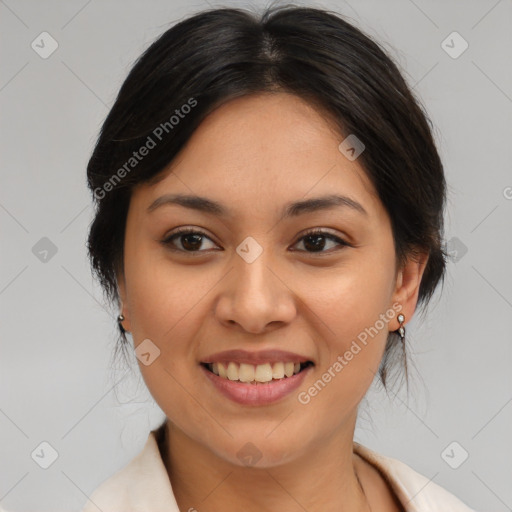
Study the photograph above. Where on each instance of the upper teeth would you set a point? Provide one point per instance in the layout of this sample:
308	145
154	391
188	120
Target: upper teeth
259	373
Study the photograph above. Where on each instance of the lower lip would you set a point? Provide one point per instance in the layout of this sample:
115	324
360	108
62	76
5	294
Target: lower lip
256	394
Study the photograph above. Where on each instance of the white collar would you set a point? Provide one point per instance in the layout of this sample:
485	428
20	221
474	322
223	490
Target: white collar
143	484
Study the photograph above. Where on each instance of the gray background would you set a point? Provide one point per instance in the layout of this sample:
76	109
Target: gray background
57	381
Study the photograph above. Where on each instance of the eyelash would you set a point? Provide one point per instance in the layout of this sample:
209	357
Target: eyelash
167	241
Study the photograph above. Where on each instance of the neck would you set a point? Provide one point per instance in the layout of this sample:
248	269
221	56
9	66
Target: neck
314	481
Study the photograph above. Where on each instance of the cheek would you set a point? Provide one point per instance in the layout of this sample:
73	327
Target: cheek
166	304
351	310
350	298
162	296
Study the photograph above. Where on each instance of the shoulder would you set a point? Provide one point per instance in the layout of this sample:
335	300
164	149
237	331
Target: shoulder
142	484
415	491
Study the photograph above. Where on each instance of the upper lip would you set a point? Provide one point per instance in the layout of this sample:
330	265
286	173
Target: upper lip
260	357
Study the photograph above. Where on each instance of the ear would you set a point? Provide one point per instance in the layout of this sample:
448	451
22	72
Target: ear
407	286
123	306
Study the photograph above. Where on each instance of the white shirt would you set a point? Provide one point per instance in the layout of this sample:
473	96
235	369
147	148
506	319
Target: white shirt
143	485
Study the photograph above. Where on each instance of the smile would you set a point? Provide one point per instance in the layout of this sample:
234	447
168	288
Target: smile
256	374
256	385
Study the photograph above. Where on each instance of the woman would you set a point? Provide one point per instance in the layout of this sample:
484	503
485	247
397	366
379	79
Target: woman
269	217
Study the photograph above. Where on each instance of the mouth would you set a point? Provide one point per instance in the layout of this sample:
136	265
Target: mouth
251	384
256	374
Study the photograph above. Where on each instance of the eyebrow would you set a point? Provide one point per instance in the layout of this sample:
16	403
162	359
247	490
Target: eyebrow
292	209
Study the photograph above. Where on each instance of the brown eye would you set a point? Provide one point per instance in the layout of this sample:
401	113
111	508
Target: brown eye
315	241
190	240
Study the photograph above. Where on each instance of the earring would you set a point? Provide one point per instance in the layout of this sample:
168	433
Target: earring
401	329
120	319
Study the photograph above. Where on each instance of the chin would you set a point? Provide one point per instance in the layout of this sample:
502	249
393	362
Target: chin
258	451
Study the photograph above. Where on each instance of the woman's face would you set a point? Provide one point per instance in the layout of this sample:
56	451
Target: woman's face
253	280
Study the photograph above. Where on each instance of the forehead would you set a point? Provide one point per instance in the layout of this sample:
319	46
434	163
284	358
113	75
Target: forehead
258	152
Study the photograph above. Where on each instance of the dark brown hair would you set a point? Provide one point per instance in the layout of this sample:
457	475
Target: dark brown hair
220	54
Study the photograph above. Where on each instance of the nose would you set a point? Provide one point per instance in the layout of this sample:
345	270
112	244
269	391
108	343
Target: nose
256	296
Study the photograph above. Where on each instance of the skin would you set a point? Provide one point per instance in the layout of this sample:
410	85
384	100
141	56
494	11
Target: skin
255	154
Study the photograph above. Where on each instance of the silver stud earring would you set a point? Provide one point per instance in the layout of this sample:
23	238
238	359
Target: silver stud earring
120	319
401	329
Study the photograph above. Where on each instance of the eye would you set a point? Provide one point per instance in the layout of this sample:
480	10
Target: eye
190	240
315	240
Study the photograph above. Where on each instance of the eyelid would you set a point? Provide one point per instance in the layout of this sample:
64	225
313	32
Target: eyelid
320	231
341	241
325	233
166	241
185	230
